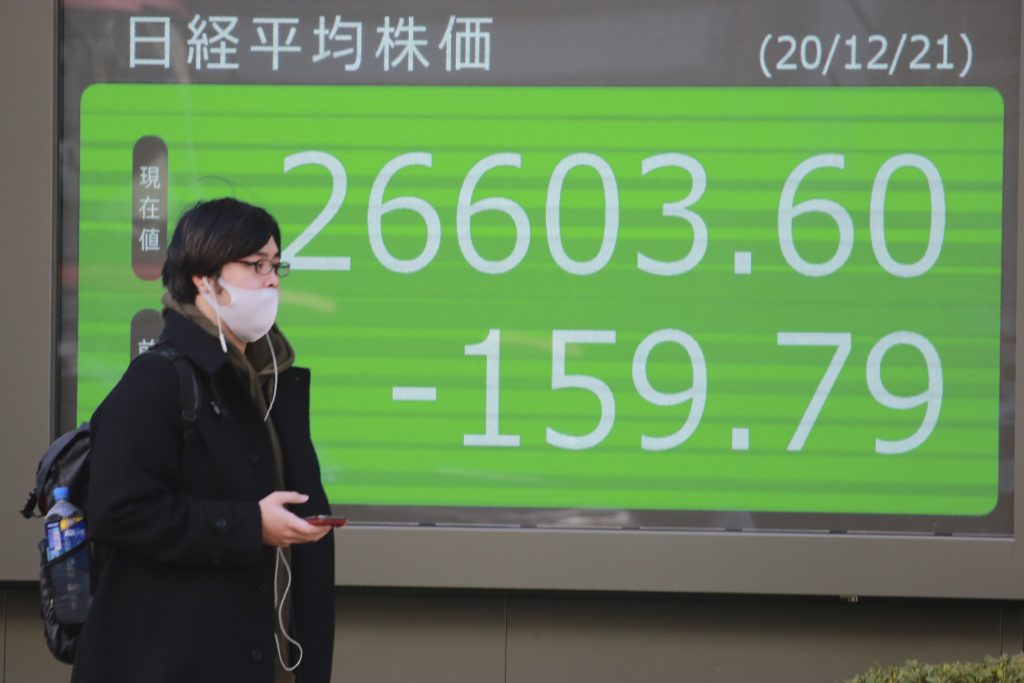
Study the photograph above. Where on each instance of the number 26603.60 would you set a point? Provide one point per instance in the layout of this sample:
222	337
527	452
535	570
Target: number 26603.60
682	209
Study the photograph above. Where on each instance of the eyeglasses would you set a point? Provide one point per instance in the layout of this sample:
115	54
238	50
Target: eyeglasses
264	267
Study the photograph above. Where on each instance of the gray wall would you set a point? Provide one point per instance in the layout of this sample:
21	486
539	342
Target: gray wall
428	638
27	148
412	635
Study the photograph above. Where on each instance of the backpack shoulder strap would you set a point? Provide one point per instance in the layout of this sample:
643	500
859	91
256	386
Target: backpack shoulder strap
188	384
189	389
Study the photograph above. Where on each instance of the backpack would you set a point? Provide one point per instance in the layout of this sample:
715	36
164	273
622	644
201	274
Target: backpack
66	463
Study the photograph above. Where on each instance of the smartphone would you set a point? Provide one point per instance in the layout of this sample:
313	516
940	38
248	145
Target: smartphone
327	520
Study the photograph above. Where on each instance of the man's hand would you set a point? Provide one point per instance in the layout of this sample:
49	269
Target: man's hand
282	527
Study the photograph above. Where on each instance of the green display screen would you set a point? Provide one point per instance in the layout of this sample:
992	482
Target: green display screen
759	299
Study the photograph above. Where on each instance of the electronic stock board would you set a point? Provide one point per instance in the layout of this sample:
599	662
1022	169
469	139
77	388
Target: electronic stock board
637	266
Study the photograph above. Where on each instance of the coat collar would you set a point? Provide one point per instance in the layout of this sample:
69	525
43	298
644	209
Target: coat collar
201	348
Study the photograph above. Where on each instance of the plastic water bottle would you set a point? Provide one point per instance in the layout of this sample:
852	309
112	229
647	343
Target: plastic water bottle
65	531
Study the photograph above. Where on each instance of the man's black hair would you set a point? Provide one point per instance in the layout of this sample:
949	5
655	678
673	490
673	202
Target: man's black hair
210	234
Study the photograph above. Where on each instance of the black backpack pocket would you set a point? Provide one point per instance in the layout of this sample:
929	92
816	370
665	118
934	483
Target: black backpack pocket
64	601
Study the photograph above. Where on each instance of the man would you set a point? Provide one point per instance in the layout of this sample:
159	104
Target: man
204	573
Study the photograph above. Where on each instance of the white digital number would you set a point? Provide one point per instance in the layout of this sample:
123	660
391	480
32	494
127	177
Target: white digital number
788	211
930	397
842	342
490	348
467	208
560	380
339	184
378	208
937	223
697	393
554	209
680	209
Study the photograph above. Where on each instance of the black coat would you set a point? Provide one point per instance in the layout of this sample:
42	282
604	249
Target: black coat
185	589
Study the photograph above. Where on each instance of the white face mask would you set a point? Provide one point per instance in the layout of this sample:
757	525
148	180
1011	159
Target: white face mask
250	314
